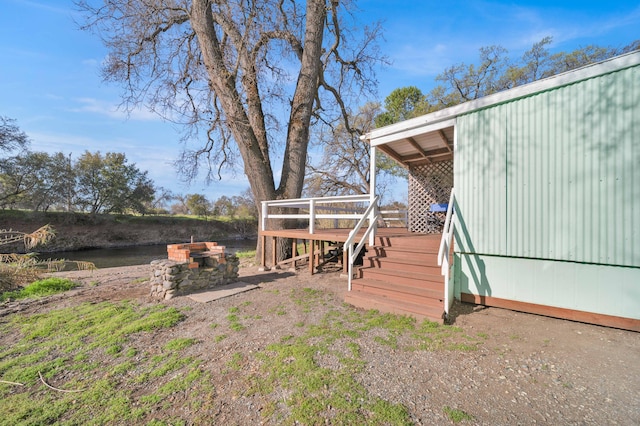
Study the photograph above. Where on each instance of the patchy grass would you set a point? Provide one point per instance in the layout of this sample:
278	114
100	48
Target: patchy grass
246	254
278	310
78	349
318	389
234	319
40	288
455	415
307	377
235	363
306	298
180	343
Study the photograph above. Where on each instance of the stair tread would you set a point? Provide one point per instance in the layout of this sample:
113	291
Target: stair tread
422	250
404	265
430	286
421	276
371	301
422	297
402	260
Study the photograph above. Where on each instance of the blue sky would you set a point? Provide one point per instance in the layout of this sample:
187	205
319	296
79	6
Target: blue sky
50	70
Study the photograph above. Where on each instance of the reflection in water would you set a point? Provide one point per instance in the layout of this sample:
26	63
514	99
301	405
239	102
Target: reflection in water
137	255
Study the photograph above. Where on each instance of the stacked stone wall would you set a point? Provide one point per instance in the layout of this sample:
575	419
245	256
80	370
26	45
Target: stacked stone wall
170	278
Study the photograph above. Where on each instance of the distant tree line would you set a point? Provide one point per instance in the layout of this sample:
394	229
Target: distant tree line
236	207
94	183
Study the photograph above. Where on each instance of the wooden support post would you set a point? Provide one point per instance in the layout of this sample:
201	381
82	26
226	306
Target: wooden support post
263	259
345	260
312	255
274	251
294	251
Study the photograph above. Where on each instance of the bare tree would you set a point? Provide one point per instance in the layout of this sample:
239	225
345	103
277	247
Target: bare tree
344	166
496	72
180	207
11	137
232	68
161	199
468	82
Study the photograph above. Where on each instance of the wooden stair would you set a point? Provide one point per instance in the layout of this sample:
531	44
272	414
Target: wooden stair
401	275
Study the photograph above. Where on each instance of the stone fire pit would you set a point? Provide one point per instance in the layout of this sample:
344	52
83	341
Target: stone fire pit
192	267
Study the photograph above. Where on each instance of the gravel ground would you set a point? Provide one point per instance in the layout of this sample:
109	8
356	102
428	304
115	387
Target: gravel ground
527	369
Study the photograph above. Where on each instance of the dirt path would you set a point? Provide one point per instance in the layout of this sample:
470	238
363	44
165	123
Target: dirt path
527	369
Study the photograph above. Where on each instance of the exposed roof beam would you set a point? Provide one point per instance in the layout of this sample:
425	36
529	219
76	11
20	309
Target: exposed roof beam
391	153
433	153
417	146
432	157
423	161
445	140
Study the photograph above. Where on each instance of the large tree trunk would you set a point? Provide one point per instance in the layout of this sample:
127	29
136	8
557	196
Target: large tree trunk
247	126
302	105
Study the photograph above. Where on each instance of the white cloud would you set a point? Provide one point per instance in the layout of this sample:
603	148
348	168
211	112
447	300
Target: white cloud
46	6
53	142
97	106
420	62
91	63
53	97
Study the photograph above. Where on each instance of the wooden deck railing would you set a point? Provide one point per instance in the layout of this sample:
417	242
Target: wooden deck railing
311	206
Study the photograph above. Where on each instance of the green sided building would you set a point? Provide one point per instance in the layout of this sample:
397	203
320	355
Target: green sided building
546	184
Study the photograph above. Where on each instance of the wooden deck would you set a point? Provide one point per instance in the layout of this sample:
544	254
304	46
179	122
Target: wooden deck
399	273
318	241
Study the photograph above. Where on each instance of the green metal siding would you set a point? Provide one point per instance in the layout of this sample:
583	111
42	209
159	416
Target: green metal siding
559	284
555	175
479	176
548	198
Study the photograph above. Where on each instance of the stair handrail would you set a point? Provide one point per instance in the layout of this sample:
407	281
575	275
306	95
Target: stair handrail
372	214
445	250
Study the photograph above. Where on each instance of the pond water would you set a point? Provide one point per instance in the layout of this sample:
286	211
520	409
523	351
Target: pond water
136	255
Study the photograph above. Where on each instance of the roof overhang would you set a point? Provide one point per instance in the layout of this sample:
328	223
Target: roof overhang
430	138
429	143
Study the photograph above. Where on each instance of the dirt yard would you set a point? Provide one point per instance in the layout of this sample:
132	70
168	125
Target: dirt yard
526	369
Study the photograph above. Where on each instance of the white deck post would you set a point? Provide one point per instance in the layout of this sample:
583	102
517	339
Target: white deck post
312	215
264	215
372	192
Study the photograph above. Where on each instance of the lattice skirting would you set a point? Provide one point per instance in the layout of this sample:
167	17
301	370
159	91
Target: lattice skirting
429	184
